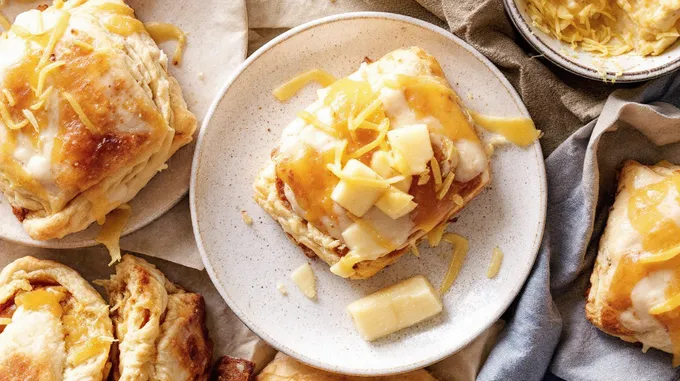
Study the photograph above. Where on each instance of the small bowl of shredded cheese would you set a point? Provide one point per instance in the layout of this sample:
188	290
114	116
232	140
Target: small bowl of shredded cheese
607	40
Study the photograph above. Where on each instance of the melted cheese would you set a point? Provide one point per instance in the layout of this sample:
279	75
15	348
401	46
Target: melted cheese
162	32
79	111
42	299
520	131
42	77
294	85
91	348
460	249
110	233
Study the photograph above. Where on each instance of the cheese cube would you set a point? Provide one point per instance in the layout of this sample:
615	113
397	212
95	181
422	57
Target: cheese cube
380	163
357	198
304	278
362	242
396	203
395	308
413	143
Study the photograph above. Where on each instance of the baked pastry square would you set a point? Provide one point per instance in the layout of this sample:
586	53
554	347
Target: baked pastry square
160	327
379	160
88	114
635	285
53	324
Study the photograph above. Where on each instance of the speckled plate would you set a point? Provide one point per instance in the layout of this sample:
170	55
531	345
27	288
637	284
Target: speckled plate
217	43
626	68
246	262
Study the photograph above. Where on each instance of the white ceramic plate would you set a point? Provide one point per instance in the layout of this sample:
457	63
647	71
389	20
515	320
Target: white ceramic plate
626	68
246	262
217	43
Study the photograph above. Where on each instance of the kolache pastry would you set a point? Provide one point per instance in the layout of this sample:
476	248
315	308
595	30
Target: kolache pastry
160	328
286	368
379	160
53	324
635	285
88	114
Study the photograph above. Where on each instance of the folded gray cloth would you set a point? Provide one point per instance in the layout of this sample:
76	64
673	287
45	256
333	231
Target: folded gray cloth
546	327
558	101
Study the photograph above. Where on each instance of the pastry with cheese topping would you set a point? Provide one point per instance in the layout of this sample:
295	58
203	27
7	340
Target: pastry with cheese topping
53	324
88	114
635	285
160	328
379	160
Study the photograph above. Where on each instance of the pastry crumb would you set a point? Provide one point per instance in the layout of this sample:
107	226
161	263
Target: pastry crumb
201	76
246	218
282	289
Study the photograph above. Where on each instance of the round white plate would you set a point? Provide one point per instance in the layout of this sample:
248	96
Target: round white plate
217	43
626	68
247	262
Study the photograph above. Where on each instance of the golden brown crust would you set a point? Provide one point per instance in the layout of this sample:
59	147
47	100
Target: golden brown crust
160	327
233	369
44	344
137	120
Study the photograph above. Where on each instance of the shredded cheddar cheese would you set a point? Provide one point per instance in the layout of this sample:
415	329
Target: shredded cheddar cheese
312	120
666	306
608	27
162	32
495	265
436	171
9	97
293	86
8	121
42	77
79	111
383	128
446	186
373	183
56	35
31	119
434	237
460	249
665	255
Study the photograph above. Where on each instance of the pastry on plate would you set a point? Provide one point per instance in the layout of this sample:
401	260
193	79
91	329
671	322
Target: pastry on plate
160	328
88	114
379	160
634	291
286	368
53	324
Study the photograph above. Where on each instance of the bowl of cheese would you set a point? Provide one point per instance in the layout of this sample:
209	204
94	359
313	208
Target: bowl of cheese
607	40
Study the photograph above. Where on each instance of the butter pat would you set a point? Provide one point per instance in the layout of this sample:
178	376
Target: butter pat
304	278
395	308
413	143
357	198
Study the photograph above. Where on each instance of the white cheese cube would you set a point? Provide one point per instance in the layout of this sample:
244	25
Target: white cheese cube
363	242
380	163
304	278
357	198
395	308
413	142
396	203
